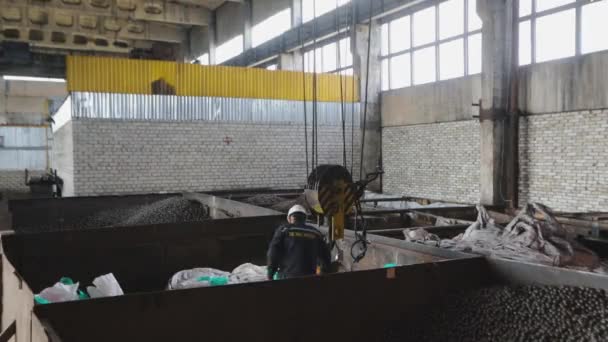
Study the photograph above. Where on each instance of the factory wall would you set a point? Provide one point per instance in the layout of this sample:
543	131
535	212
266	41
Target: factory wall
430	142
564	160
563	136
21	148
63	157
118	156
430	103
229	22
262	10
28	103
12	181
24	142
437	161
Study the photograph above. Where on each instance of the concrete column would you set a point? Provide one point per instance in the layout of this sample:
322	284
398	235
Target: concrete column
212	39
497	114
247	16
291	61
369	84
296	13
199	42
3	99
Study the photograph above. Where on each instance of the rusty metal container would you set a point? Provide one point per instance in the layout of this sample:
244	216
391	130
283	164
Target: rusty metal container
348	306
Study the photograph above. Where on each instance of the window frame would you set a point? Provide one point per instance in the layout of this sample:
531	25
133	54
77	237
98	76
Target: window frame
268	23
236	39
320	45
577	5
437	43
313	9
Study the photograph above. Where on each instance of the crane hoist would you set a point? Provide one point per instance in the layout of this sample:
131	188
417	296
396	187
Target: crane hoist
332	194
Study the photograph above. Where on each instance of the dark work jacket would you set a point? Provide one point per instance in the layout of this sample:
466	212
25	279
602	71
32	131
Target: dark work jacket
296	251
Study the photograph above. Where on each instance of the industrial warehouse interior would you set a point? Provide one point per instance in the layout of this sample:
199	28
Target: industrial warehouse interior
303	170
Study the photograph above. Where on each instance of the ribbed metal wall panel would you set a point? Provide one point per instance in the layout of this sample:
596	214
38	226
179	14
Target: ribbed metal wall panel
20	136
24	147
129	76
195	108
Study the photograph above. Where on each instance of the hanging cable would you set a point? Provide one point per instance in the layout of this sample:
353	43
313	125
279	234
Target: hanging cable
361	237
342	108
315	136
314	81
352	107
369	40
304	97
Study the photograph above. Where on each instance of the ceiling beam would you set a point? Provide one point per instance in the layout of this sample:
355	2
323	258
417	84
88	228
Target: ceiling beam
165	12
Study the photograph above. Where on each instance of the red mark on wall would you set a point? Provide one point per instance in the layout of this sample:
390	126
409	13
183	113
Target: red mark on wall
227	140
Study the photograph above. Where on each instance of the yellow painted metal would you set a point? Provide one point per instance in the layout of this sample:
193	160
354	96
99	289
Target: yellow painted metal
130	76
336	199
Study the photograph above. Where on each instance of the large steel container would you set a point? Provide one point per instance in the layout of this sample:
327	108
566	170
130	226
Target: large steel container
347	306
344	306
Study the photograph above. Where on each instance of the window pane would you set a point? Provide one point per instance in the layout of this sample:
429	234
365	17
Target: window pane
318	60
384	39
271	27
385	74
308	61
451	18
424	65
594	27
309	58
203	59
307	10
525	43
400	34
542	5
525	7
475	22
312	8
324	6
424	26
555	36
346	57
400	71
330	57
229	49
451	59
475	54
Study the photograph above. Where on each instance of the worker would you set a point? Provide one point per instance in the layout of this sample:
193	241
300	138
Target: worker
297	249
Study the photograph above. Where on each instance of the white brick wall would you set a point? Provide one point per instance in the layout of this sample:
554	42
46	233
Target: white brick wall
437	161
564	160
116	157
14	180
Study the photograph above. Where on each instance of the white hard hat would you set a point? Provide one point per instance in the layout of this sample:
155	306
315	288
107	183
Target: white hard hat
297	209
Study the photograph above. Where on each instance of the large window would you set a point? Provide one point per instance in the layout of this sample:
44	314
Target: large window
316	8
229	49
335	57
271	27
436	43
203	59
554	29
